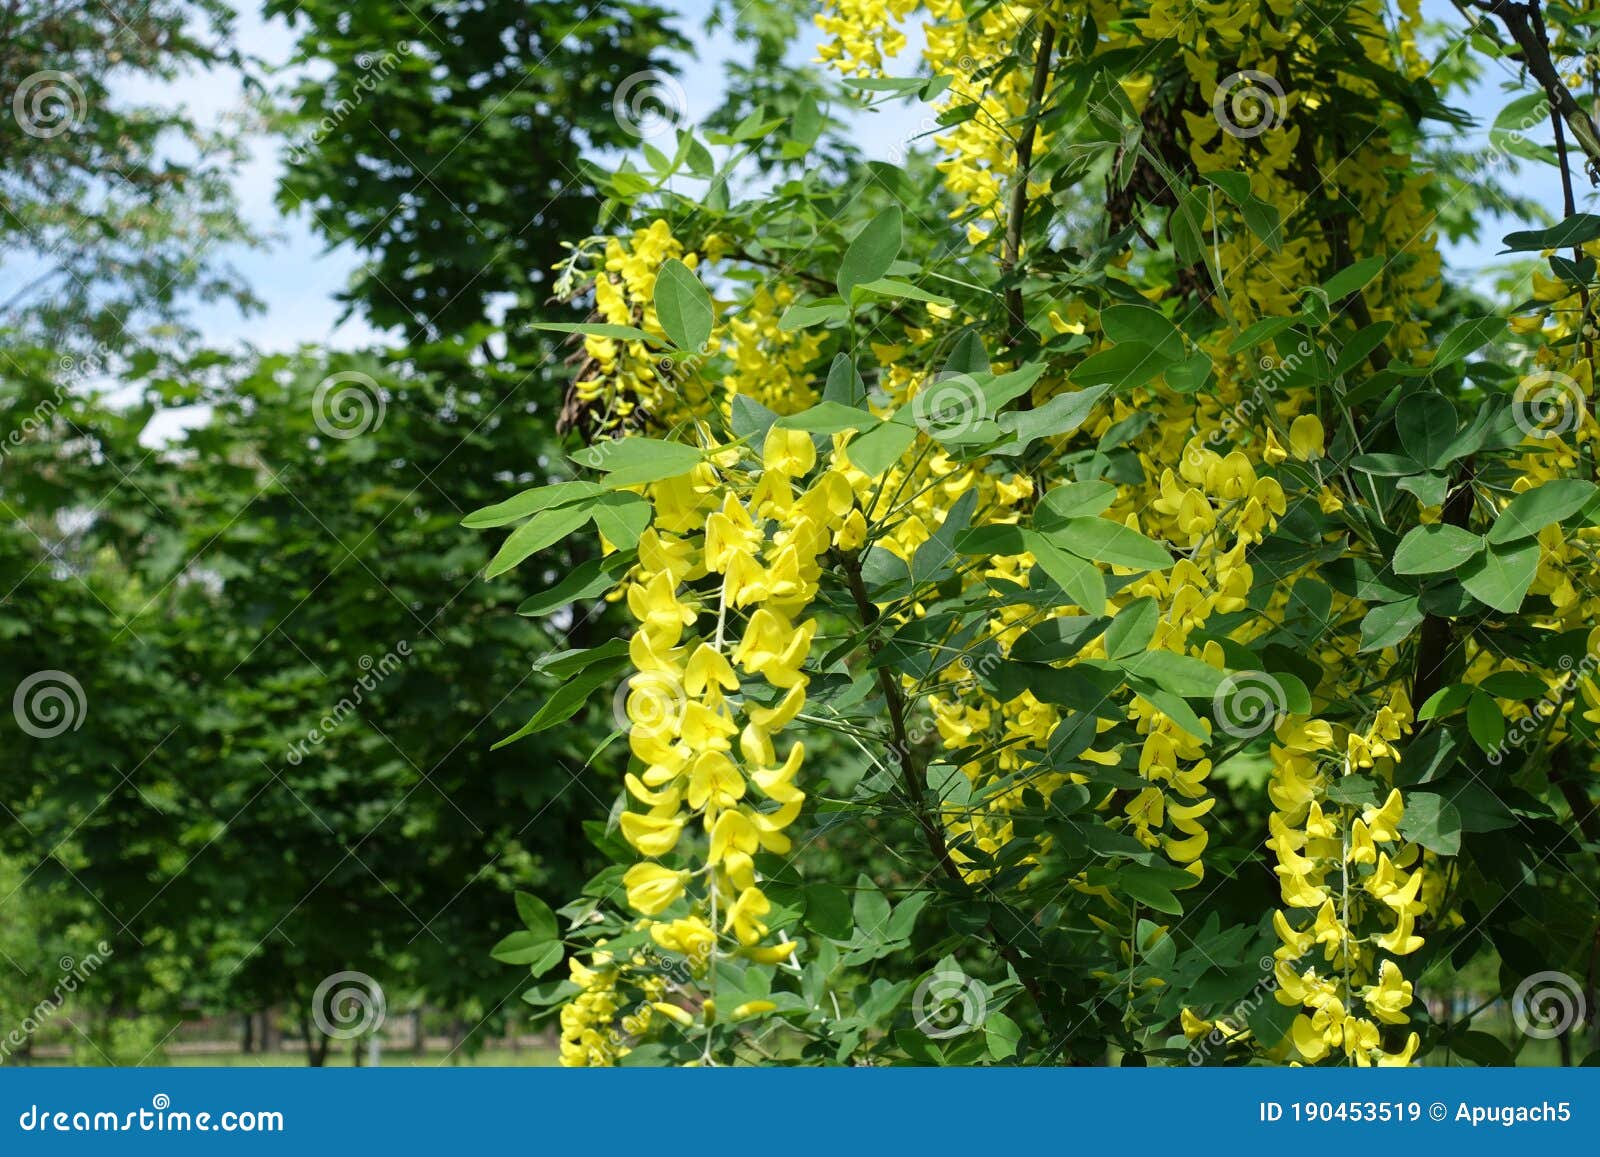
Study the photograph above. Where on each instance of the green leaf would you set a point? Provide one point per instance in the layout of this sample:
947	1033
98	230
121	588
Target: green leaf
1133	628
1264	330
1103	540
805	314
564	702
1353	277
1433	549
1261	218
1533	510
1467	338
542	530
1501	575
829	418
633	461
585	581
1073	500
895	287
1150	888
749	419
1001	1036
1444	701
1082	581
550	994
903	921
1484	721
1062	414
540	955
1385	465
828	911
1426	423
1143	325
1355	351
1124	366
600	329
844	384
880	447
871	253
1514	685
870	909
1183	675
897	84
1234	186
1169	704
683	306
621	517
1186	227
1353	791
1432	821
1389	623
1056	639
1000	390
1270	1021
564	664
1575	230
1430	489
537	917
1190	374
530	502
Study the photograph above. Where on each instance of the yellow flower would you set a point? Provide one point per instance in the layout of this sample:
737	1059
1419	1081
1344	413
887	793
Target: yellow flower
744	918
1306	437
788	452
651	835
679	1016
1388	999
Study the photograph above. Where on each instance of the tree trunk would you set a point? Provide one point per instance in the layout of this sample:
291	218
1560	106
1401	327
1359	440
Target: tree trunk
316	1043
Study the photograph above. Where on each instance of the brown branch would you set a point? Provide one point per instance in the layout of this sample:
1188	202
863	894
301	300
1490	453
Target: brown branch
768	263
913	774
1435	639
1585	816
1017	209
1519	21
1569	203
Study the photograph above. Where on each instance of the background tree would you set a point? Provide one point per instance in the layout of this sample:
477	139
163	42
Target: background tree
446	143
116	211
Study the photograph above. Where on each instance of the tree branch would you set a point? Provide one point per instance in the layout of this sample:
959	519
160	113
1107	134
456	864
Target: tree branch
1434	642
1524	23
913	774
1018	206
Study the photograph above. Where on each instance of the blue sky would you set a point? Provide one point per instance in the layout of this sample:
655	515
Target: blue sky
297	277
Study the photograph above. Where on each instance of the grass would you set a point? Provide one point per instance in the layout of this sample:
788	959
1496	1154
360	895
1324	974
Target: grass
340	1059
